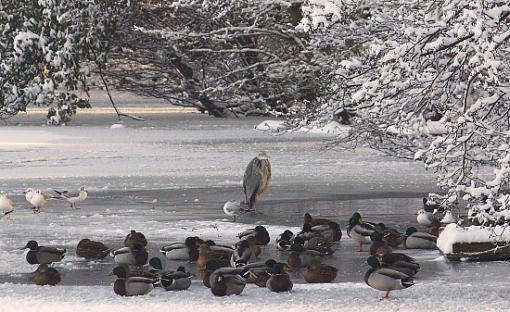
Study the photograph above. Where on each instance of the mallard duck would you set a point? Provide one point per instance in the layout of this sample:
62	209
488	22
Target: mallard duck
210	267
91	250
210	251
227	281
360	231
186	251
42	254
131	284
178	280
135	255
329	229
284	240
406	267
252	243
378	246
319	273
135	237
403	257
45	275
259	272
300	257
279	280
259	232
419	240
389	235
430	205
241	255
386	279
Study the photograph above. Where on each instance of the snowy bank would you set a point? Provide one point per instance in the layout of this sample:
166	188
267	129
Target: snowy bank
489	239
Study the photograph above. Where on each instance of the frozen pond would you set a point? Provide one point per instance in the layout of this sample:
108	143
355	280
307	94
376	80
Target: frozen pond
192	164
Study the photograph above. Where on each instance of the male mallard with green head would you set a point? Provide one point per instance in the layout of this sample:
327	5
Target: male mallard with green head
43	254
359	231
186	251
279	280
419	240
386	279
130	283
227	281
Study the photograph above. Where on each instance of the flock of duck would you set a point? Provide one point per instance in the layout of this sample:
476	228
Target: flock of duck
226	269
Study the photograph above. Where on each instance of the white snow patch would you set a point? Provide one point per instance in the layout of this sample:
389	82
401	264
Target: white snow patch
272	125
454	233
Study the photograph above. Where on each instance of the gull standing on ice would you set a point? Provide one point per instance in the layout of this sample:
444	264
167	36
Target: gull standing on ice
37	199
73	197
256	178
233	208
5	205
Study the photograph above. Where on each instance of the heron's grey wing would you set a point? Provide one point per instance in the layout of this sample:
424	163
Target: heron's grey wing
251	179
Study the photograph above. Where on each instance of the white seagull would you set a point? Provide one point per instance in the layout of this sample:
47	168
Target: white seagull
74	197
5	205
37	198
233	208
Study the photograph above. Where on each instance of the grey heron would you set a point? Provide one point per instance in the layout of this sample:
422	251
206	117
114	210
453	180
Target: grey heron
256	178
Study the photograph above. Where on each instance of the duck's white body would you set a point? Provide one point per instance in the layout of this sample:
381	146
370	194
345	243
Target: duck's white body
387	279
136	286
123	256
233	208
420	240
176	251
361	233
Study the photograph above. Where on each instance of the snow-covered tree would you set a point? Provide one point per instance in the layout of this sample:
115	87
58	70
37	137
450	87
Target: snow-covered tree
425	79
225	57
44	49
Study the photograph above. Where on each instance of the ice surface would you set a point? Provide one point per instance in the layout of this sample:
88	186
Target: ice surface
191	165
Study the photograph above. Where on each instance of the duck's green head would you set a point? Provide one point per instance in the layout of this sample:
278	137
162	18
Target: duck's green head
388	259
156	263
355	219
278	268
212	265
270	263
32	245
120	272
376	237
411	230
181	269
373	262
260	229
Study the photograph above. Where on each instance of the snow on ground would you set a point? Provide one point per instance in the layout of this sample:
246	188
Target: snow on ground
428	296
